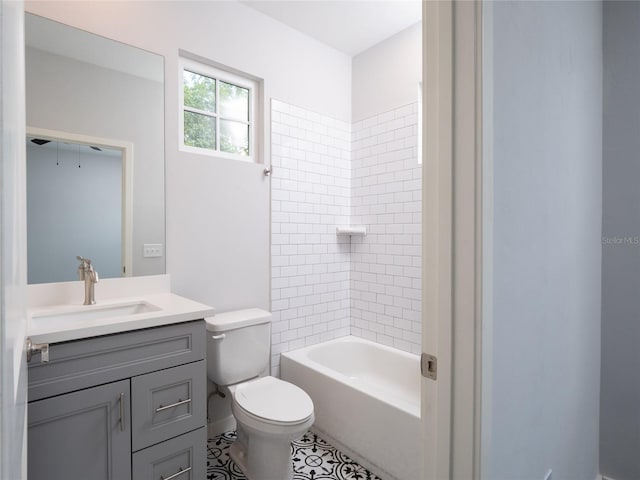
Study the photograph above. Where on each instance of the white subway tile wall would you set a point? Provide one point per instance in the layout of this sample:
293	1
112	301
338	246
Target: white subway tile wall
327	173
386	196
310	196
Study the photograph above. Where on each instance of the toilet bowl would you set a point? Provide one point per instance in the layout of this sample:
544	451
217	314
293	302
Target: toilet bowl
270	413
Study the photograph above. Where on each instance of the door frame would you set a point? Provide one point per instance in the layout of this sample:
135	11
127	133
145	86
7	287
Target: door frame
13	258
452	238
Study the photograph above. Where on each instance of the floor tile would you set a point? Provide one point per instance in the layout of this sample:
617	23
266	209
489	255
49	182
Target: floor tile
313	459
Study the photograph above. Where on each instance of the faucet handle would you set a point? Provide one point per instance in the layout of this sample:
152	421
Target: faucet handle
84	260
84	267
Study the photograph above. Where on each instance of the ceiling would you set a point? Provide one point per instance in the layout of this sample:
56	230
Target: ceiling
350	26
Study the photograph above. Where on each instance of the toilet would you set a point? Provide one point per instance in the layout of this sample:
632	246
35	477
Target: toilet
270	413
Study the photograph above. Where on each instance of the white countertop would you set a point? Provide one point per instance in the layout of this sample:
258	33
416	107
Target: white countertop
168	308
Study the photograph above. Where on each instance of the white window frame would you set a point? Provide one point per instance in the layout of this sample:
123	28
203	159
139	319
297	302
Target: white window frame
220	74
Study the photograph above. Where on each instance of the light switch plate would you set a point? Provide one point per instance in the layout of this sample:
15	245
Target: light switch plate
152	250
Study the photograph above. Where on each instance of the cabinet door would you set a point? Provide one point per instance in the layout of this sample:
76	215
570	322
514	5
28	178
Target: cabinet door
81	435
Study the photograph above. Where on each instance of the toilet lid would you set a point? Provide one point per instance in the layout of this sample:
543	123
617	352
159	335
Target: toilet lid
274	400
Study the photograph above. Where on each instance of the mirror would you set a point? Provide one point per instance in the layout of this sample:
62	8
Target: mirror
87	91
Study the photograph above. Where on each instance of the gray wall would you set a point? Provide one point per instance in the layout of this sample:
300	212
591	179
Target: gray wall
620	393
547	139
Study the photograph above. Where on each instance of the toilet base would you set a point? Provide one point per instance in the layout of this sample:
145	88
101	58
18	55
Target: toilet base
261	457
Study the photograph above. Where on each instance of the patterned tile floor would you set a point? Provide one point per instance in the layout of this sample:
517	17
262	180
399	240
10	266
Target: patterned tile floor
313	459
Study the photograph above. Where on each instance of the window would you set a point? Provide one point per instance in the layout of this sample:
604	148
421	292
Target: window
218	112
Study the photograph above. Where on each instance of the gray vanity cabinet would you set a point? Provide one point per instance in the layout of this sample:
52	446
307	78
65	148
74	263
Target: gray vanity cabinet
128	406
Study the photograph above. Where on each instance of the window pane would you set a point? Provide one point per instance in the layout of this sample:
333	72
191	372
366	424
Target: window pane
234	101
199	130
199	91
234	137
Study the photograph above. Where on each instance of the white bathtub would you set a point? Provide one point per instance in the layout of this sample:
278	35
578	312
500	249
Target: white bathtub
366	399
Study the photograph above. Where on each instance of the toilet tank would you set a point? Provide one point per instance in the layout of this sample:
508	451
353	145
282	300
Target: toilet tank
238	345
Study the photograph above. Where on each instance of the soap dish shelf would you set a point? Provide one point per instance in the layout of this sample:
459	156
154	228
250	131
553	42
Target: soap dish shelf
352	231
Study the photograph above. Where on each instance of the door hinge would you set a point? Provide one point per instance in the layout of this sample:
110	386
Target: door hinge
429	366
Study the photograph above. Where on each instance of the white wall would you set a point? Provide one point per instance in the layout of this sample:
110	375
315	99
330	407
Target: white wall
77	97
386	76
546	134
218	218
620	390
13	254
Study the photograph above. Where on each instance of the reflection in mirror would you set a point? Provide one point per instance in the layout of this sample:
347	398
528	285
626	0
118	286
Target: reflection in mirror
92	87
78	199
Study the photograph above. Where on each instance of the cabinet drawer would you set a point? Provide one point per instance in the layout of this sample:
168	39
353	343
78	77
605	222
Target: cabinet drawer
84	363
168	403
181	458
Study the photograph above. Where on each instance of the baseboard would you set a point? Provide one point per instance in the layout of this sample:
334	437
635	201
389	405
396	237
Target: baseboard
220	426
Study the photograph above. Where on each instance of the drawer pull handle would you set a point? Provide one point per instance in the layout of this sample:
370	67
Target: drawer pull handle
175	475
177	404
122	426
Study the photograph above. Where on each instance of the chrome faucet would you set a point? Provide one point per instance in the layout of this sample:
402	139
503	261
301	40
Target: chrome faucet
90	277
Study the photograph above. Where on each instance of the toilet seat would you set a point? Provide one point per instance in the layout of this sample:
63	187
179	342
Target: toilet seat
274	401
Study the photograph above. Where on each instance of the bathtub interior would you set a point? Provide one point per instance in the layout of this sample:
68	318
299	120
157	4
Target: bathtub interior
357	359
383	372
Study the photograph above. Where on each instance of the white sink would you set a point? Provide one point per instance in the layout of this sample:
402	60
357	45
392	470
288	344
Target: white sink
88	314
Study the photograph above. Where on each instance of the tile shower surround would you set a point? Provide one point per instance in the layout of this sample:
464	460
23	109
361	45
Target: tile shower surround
386	196
310	195
328	173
